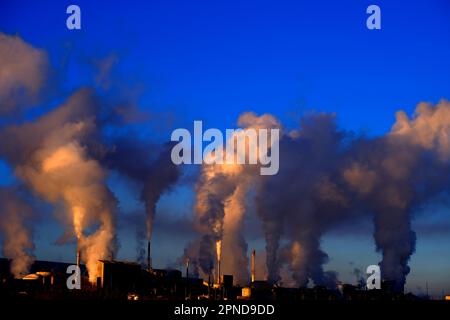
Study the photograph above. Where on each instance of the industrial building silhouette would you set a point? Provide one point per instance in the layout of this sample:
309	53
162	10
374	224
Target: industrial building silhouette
120	280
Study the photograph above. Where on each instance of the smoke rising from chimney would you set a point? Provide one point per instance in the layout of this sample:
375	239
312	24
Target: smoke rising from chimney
52	156
327	177
221	195
151	168
17	241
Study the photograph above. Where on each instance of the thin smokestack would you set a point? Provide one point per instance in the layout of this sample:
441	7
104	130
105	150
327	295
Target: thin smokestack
218	270
78	257
253	265
219	253
187	268
149	258
187	279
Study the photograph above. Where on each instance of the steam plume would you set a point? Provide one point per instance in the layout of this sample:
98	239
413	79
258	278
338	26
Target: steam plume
221	202
401	171
53	156
17	242
151	167
23	72
328	177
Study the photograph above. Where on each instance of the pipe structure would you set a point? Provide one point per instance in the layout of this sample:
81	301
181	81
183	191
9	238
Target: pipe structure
253	265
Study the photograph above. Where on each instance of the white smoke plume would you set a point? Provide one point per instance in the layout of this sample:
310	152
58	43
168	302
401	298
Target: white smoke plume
52	156
234	243
62	155
327	177
221	196
14	226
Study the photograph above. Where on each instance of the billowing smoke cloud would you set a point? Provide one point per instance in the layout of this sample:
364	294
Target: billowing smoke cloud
302	201
53	155
221	195
14	224
213	189
190	254
394	174
163	174
359	277
328	177
151	167
234	245
23	71
62	155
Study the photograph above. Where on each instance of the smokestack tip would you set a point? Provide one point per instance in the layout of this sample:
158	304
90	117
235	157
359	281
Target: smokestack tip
78	258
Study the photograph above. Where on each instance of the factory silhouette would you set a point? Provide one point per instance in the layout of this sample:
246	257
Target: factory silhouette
124	280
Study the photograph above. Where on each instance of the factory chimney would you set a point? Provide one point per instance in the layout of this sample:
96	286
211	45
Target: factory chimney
78	256
187	279
187	268
218	251
149	259
253	265
218	272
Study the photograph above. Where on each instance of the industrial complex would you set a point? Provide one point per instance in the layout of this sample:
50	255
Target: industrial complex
122	280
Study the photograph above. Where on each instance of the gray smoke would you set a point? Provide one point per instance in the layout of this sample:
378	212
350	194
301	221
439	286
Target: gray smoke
212	191
328	177
23	71
62	155
221	204
149	166
301	202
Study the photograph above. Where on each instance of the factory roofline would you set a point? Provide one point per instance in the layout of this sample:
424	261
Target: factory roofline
119	262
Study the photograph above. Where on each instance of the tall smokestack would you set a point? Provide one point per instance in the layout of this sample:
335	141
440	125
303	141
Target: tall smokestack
187	268
78	255
218	271
253	265
78	258
187	279
149	259
219	253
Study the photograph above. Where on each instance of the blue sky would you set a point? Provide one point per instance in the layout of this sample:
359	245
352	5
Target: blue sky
212	60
